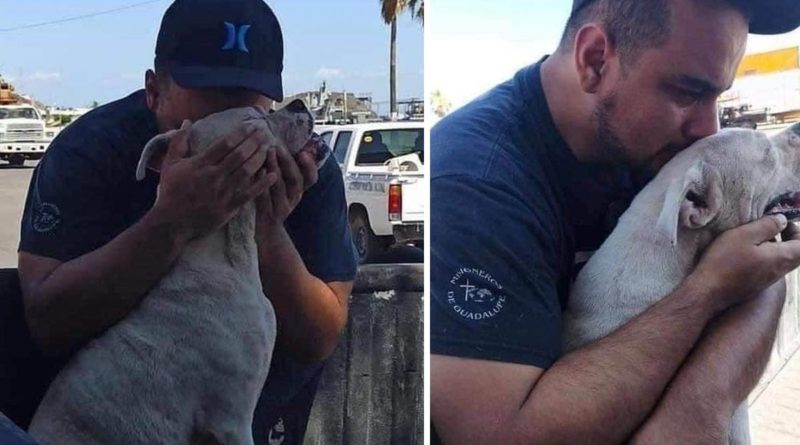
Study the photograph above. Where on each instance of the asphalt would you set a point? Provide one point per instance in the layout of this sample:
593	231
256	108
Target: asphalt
775	412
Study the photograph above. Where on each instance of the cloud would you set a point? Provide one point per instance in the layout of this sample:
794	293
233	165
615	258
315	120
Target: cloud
131	76
372	74
45	76
329	73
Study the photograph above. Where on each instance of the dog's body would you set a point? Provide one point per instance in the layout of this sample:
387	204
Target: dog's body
189	363
736	175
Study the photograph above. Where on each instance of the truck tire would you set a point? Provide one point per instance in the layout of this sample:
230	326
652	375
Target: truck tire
17	160
368	245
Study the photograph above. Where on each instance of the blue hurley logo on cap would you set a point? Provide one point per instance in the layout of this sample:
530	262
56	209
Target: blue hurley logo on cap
236	38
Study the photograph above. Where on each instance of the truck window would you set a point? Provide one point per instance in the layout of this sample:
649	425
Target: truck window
18	113
379	146
340	149
326	137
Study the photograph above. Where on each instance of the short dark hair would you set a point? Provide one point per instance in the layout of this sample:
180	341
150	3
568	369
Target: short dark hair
163	73
632	25
635	25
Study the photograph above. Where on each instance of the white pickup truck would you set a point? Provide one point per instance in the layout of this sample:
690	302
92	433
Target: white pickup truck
22	134
384	182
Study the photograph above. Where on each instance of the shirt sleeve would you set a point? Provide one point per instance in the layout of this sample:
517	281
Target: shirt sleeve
320	230
68	210
493	286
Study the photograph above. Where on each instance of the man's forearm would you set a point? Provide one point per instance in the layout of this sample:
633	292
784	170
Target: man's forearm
600	393
718	375
83	297
310	315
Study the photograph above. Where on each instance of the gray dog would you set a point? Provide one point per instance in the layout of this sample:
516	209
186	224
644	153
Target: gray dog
189	363
719	183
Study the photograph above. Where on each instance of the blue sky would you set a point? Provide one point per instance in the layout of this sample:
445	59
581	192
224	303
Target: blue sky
103	58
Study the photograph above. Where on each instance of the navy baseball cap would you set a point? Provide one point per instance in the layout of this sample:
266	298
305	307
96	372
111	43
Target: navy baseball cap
766	16
222	43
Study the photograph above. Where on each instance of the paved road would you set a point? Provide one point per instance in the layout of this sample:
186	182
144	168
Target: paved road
13	188
775	413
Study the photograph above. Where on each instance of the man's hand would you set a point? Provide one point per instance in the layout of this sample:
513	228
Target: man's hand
742	262
202	193
288	179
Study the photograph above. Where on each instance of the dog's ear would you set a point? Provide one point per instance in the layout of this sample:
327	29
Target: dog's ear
153	154
692	201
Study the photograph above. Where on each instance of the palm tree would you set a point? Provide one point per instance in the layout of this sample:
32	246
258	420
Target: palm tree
390	10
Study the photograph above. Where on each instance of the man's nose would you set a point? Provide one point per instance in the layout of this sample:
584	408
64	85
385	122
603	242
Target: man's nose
703	121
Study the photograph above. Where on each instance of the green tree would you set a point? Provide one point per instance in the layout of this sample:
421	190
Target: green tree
390	10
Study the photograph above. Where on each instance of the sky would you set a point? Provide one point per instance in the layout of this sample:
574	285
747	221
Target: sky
102	58
473	45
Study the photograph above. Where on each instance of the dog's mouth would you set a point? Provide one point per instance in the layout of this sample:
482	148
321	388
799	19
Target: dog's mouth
317	147
787	204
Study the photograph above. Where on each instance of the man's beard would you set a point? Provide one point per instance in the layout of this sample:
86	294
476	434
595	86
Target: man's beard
614	151
609	144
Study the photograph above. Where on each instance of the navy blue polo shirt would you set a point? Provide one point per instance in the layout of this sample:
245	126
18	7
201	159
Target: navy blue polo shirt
513	216
84	193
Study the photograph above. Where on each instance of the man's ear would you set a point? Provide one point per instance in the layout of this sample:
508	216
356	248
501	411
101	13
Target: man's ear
152	88
691	202
592	50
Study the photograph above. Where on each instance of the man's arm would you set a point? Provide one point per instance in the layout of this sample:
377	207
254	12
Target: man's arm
66	304
718	375
311	313
600	393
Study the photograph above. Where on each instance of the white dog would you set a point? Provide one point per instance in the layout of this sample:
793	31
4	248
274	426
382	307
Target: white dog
719	183
189	363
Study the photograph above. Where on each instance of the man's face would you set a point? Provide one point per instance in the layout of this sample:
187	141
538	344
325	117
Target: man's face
665	99
172	103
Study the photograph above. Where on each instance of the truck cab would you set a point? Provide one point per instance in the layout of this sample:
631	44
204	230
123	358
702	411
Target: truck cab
382	164
22	134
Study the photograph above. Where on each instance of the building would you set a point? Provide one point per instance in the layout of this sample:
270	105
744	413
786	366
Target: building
766	89
335	107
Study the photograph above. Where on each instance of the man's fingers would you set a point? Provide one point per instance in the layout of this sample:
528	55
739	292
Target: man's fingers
220	148
245	155
290	173
790	252
763	229
308	167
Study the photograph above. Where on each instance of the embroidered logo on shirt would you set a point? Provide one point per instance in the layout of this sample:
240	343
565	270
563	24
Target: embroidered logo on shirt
475	295
46	218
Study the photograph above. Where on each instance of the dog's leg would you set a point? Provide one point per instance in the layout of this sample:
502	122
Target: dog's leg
740	426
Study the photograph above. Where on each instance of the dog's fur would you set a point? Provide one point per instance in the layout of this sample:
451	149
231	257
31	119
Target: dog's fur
658	240
189	363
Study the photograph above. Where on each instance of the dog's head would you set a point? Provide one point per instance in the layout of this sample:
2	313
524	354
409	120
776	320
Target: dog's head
730	179
291	127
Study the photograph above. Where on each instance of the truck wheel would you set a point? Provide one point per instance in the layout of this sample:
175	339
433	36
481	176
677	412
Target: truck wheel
367	243
17	161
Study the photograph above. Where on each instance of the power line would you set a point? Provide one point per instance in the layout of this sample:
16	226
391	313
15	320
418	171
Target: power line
78	17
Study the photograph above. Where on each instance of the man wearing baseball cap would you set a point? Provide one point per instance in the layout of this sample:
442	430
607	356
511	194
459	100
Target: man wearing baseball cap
94	240
547	160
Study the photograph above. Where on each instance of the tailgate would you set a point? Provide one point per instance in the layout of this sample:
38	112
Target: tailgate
414	198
